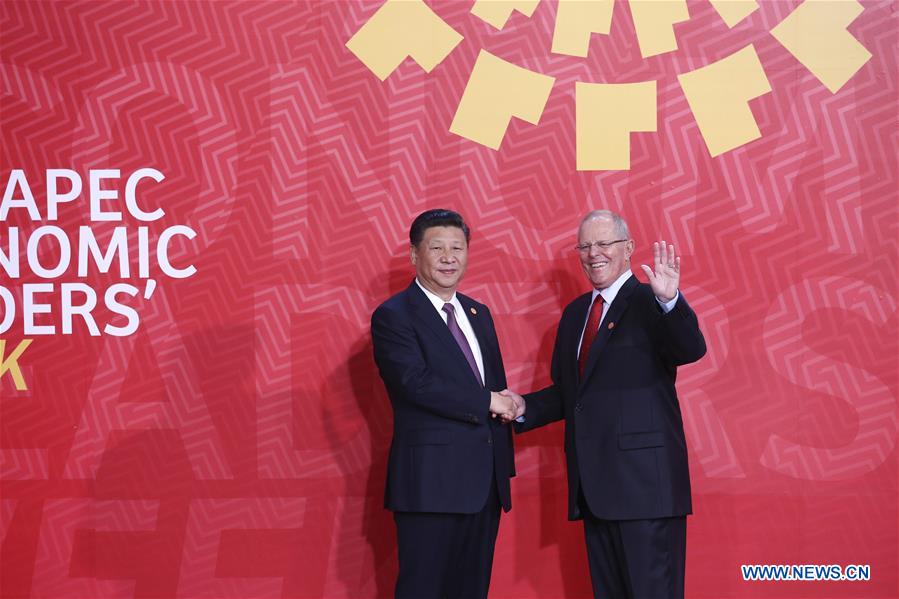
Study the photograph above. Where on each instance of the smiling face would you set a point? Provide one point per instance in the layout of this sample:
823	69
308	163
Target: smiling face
440	259
603	266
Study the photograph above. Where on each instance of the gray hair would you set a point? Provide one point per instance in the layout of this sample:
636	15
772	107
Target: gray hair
621	229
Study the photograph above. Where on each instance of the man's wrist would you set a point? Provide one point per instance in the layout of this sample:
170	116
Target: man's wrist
668	305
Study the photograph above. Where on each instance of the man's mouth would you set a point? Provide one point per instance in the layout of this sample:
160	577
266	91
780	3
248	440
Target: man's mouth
599	264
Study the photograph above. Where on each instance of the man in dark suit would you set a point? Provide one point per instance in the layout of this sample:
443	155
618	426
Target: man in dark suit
613	369
450	458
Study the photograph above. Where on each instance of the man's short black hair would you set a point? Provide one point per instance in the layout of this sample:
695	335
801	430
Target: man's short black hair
436	218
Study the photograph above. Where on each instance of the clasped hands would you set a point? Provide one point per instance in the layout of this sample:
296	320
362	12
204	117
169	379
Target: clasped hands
506	405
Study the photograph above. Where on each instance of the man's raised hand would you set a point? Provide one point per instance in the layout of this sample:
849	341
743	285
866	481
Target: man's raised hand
665	276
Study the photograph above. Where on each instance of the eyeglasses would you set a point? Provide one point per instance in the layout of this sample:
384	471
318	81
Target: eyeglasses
584	248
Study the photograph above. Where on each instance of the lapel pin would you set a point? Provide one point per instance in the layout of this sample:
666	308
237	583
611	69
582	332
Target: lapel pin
611	325
473	311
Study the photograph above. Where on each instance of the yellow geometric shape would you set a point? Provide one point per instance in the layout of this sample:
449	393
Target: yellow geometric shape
654	22
402	28
497	12
734	11
576	20
605	116
719	94
815	33
496	91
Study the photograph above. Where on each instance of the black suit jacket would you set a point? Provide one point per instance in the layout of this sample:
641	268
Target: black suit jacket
624	436
445	447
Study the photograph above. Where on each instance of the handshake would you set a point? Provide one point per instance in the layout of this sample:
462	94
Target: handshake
507	405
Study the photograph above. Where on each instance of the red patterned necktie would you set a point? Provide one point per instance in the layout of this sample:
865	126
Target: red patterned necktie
590	333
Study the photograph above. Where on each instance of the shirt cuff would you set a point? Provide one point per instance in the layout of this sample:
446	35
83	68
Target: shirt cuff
668	306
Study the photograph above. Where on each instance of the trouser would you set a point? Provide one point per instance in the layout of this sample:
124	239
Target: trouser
636	559
446	555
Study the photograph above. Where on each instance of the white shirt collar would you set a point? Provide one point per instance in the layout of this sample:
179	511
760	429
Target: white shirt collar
436	299
609	293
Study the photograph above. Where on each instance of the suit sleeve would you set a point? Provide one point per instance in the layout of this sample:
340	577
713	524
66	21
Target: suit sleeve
408	376
500	368
679	336
546	405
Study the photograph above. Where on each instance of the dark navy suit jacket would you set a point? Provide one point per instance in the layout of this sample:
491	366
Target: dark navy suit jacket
624	436
445	447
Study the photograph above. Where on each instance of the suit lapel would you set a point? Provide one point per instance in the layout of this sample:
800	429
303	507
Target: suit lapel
607	327
426	314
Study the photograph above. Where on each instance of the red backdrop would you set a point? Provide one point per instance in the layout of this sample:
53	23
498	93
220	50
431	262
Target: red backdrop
235	445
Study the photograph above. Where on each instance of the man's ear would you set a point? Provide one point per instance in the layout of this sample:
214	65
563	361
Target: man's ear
413	255
629	248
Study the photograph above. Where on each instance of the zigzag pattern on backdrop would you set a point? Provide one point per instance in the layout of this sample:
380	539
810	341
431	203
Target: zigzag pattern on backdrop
873	401
279	414
65	518
247	410
183	409
205	540
23	464
703	425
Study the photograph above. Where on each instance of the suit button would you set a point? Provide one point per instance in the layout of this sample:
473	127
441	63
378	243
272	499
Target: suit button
577	407
490	441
